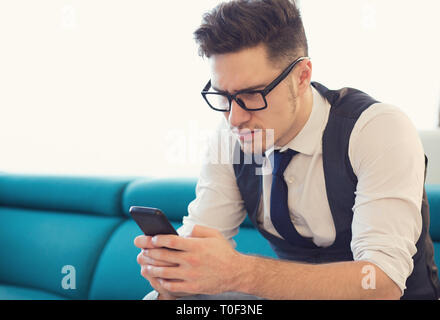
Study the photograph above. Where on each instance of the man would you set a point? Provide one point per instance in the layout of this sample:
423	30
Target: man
340	193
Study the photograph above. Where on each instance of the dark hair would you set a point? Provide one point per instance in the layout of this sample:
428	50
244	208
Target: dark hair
240	24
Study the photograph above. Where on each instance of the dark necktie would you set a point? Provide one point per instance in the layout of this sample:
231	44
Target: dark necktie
279	210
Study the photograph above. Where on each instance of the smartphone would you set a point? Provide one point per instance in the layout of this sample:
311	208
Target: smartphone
152	221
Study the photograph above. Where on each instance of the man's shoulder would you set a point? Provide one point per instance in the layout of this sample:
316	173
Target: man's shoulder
384	130
383	116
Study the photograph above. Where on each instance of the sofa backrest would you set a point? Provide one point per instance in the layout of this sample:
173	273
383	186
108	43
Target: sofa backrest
49	222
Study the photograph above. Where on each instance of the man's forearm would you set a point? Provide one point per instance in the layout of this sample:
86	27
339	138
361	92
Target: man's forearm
278	279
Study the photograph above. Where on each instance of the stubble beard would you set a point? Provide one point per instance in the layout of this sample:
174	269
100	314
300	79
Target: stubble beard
264	139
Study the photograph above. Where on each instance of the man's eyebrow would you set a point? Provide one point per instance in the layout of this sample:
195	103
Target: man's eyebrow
261	86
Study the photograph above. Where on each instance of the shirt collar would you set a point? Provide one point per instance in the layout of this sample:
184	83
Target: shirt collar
310	135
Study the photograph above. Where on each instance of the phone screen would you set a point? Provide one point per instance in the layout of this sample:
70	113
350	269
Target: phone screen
152	221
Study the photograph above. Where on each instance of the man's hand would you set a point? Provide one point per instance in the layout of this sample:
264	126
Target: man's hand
205	263
144	243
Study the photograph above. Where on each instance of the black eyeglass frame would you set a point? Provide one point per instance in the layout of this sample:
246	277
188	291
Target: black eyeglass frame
264	92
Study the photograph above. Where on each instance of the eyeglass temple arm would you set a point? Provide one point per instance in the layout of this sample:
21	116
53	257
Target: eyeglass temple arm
208	85
284	74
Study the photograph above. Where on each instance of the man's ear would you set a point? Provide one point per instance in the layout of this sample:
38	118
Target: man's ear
305	76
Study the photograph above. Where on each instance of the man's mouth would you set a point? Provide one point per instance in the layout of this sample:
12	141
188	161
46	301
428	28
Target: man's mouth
244	135
248	136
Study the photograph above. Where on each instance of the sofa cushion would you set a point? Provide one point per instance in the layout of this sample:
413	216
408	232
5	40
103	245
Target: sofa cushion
21	293
171	195
96	195
36	245
117	274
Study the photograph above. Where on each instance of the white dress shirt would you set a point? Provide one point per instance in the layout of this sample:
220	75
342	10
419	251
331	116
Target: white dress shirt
388	159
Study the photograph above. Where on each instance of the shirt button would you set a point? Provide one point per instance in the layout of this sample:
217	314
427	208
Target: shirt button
290	179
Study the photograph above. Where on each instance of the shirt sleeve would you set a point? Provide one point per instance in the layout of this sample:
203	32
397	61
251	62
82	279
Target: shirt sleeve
218	203
388	159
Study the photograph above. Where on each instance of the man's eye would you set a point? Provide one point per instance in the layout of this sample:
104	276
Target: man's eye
249	96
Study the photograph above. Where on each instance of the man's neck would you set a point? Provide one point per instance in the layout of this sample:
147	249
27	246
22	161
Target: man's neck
304	106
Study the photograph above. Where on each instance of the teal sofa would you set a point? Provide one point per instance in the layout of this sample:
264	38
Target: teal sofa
66	237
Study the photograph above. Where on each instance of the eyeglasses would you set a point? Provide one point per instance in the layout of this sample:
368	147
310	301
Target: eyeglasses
250	100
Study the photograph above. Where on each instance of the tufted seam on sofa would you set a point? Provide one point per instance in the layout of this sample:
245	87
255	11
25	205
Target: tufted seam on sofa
100	252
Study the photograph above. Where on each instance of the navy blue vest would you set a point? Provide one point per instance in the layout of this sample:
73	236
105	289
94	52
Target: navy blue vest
346	106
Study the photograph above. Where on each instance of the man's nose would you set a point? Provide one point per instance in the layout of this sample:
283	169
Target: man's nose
237	115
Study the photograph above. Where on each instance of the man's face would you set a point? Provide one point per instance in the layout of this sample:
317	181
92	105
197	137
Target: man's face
257	130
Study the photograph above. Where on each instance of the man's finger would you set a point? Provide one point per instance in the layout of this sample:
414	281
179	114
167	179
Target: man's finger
144	242
165	255
174	273
142	259
176	287
172	242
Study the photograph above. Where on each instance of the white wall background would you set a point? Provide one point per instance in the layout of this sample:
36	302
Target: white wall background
387	48
101	87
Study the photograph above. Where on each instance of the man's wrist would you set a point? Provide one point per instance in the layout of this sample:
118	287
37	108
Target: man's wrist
243	280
